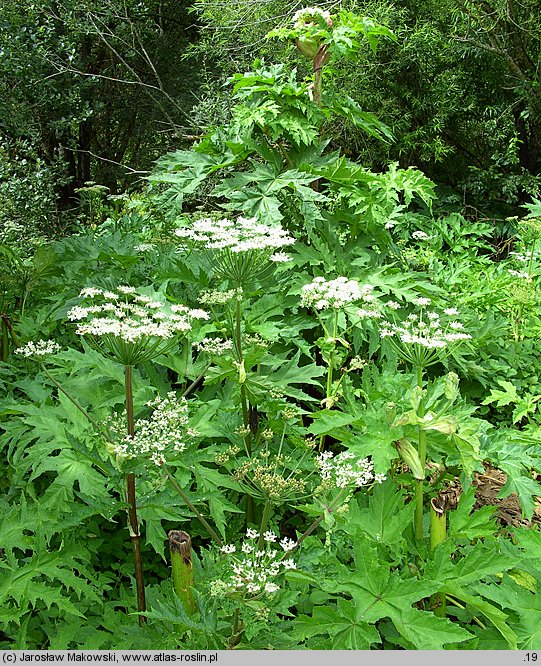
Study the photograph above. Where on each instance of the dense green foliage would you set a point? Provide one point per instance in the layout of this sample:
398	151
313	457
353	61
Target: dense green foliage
317	395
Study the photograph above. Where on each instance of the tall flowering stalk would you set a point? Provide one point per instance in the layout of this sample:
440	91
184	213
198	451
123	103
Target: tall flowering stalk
131	327
329	299
340	476
241	251
422	339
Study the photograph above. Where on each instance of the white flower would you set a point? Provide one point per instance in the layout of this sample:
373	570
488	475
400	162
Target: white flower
322	294
242	235
344	470
214	297
38	349
305	16
214	346
166	434
393	305
144	247
420	235
390	225
252	534
269	537
253	573
289	564
519	274
287	544
125	289
280	257
422	301
425	332
132	318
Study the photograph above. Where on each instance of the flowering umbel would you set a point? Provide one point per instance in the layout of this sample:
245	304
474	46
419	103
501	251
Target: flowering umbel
130	326
346	470
38	349
424	337
165	435
245	247
322	294
254	571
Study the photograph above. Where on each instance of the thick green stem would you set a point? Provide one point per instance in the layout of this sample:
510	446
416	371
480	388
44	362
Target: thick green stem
193	508
421	450
264	522
244	403
180	547
132	503
318	83
329	387
237	630
438	530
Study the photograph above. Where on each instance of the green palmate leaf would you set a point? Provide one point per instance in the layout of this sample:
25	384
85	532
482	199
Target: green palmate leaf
465	524
515	457
329	421
347	107
480	562
386	517
342	623
468	444
152	511
289	374
502	398
72	470
525	604
525	487
428	632
376	592
377	439
498	619
29	584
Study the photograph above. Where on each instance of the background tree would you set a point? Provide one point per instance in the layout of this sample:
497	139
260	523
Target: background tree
90	86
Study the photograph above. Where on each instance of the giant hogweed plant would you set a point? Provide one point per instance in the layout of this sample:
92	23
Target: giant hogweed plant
273	160
292	547
298	494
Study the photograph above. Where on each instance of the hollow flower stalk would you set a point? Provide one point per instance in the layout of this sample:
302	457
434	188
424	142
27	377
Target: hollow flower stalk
159	438
130	326
254	571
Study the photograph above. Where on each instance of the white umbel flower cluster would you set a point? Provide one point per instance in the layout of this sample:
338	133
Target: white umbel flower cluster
346	470
426	328
213	346
39	349
242	235
164	435
322	294
254	572
130	317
